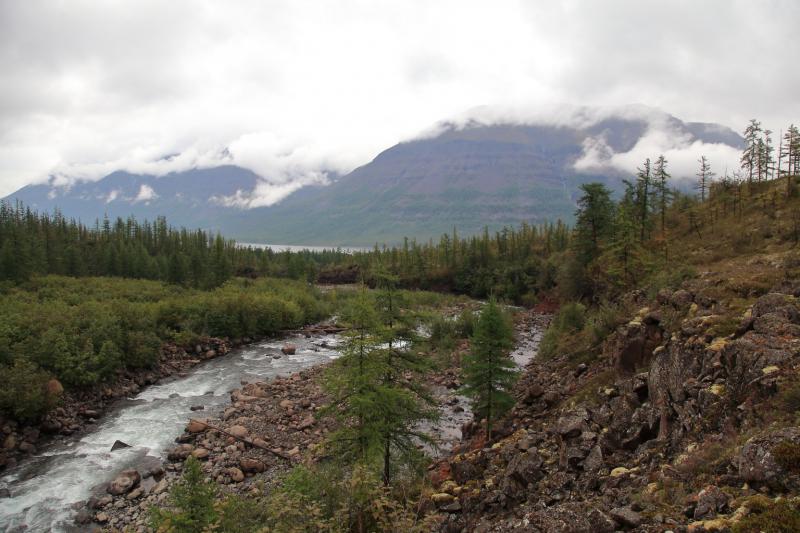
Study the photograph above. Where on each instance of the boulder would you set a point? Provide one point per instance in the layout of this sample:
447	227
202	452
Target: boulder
594	461
196	426
161	486
200	453
236	475
248	464
710	501
625	516
180	452
118	445
464	470
306	422
238	431
289	349
570	426
124	482
757	461
287	404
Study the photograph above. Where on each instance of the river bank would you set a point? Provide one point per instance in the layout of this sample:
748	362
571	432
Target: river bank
43	489
79	410
278	419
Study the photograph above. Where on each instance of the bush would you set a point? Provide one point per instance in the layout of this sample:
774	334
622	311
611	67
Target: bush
24	395
191	503
787	455
782	517
569	320
142	349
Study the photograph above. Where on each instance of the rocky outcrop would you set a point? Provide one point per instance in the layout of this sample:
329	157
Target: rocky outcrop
596	438
764	459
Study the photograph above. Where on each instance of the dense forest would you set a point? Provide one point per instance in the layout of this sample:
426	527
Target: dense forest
34	243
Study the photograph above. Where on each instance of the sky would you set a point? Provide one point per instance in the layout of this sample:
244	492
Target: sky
295	89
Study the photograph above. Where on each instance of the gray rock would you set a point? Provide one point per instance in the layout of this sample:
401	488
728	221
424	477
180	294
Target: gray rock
124	482
710	501
118	445
625	516
756	460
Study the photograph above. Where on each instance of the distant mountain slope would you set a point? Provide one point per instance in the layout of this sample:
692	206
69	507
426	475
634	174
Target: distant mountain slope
184	197
464	177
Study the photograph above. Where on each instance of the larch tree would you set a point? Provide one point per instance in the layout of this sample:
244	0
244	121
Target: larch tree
403	398
351	383
661	189
750	154
704	177
594	220
489	371
644	181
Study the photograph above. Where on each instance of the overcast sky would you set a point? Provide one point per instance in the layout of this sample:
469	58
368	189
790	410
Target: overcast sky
292	88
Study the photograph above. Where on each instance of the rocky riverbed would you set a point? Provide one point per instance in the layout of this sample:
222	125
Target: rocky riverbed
79	411
51	487
271	425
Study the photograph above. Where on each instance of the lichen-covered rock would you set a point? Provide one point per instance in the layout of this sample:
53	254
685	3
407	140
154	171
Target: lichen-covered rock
757	461
710	501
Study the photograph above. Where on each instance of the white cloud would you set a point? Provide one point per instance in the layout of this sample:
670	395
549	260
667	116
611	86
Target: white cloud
113	195
145	194
293	88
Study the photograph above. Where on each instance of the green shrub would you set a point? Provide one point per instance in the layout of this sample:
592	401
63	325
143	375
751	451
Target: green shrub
782	517
790	397
569	320
23	394
191	503
787	455
142	349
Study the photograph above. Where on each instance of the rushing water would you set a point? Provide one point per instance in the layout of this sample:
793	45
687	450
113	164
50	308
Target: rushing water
45	487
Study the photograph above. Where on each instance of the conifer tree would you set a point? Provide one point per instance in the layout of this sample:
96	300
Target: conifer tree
404	399
593	220
352	382
750	155
192	502
644	180
662	193
704	177
489	371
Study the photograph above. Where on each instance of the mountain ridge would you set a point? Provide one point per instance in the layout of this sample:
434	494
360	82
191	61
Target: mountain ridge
464	176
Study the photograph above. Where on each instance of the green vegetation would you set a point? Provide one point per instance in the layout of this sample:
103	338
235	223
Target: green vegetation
489	372
191	503
37	244
780	517
85	331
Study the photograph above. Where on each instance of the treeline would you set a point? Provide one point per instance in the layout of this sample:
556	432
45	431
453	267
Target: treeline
513	264
33	243
642	241
85	331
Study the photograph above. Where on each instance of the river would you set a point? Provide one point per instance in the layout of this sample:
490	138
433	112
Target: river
45	487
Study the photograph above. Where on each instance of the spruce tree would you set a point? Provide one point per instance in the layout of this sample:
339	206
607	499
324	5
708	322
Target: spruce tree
489	371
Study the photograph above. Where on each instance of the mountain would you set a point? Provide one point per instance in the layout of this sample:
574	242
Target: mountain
465	176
